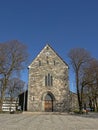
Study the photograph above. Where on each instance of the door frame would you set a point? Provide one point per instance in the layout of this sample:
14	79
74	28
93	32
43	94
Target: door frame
48	104
43	100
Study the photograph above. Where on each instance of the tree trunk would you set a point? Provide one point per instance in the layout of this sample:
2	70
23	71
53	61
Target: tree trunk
78	93
2	99
96	104
4	84
81	96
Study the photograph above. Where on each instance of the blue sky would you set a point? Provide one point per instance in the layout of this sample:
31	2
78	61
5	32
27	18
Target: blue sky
64	24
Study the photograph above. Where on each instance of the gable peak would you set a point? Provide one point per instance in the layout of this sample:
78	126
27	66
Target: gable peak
47	45
47	48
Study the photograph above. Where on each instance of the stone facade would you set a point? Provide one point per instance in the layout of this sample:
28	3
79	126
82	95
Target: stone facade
73	101
48	82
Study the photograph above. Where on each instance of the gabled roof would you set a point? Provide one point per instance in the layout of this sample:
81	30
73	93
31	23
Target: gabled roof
47	45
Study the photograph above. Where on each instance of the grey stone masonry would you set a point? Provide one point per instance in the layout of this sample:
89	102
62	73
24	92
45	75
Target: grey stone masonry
48	75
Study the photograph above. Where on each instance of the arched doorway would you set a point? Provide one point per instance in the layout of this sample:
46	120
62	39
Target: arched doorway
48	103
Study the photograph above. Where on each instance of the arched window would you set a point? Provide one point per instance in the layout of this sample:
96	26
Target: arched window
54	62
48	80
47	62
39	63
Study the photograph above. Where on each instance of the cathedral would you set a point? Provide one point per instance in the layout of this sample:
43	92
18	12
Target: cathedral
48	85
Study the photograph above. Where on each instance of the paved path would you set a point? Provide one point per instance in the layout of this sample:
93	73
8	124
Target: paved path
48	122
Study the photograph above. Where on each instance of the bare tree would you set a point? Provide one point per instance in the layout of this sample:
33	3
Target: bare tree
91	76
14	88
86	79
79	57
13	56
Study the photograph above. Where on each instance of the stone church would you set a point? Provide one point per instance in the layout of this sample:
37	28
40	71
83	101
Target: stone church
48	87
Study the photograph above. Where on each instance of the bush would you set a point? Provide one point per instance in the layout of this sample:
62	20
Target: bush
76	111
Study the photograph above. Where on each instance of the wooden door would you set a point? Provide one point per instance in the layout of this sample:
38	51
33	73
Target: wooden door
48	105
